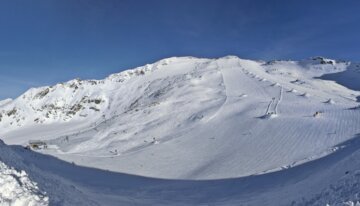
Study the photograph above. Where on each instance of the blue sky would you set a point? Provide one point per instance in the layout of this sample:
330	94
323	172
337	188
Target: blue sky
43	42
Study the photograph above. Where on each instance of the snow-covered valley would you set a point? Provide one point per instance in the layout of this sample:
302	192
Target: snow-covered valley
192	131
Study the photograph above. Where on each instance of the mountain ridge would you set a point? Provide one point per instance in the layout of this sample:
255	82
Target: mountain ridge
41	92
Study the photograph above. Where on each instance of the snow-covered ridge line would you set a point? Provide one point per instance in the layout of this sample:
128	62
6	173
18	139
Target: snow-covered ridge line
64	101
5	102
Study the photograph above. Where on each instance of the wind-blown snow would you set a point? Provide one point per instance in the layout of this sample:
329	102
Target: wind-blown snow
255	122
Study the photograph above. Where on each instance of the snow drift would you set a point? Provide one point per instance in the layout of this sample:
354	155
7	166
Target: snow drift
17	189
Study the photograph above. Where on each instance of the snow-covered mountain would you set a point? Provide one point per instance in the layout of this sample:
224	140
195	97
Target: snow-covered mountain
202	119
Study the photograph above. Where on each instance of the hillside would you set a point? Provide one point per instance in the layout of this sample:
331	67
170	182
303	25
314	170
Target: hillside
332	180
272	129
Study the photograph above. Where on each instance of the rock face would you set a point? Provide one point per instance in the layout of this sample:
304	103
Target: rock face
323	60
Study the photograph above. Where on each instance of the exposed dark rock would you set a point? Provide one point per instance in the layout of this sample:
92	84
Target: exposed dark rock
42	94
11	112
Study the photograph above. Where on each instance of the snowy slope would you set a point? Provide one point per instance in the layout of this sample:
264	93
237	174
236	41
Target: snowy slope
226	131
332	180
5	101
193	118
17	189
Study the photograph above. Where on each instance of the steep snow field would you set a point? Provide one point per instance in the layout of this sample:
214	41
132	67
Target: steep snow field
225	131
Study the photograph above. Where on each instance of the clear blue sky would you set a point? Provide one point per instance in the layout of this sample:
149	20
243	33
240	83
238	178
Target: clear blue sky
43	42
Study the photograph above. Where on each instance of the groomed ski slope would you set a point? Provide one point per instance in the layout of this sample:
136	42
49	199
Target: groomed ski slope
331	180
224	131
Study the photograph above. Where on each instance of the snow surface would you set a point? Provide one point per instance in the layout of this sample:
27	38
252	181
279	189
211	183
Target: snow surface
224	131
17	189
5	101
